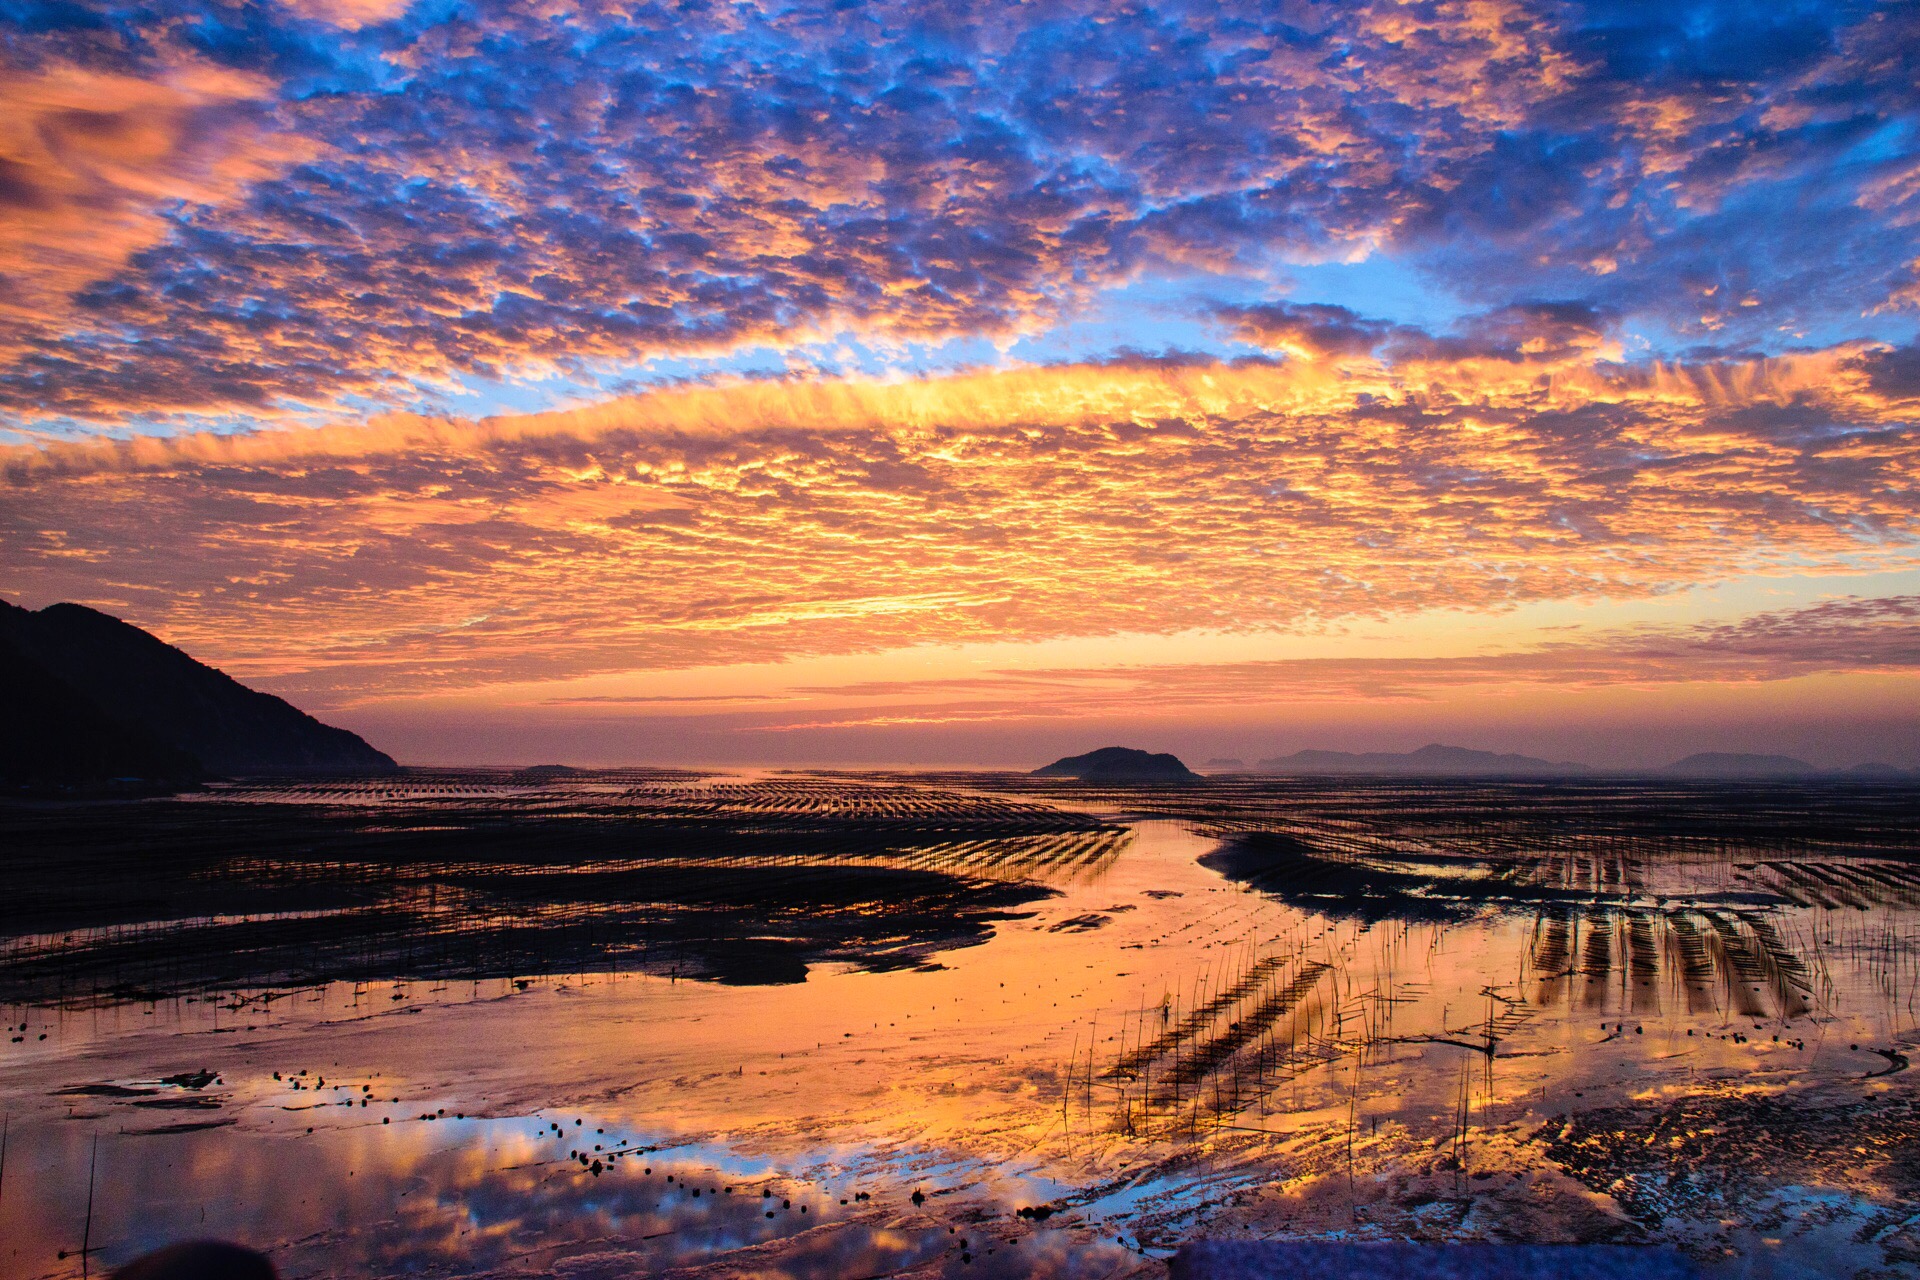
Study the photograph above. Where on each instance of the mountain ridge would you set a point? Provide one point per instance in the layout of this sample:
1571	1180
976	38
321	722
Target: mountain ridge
1433	760
90	698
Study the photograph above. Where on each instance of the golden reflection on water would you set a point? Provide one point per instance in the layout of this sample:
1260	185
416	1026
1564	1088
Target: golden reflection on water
1156	1050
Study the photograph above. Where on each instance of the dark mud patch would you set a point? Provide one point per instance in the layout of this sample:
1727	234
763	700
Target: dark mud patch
479	923
184	1126
104	1091
456	876
1709	1157
1300	875
1380	884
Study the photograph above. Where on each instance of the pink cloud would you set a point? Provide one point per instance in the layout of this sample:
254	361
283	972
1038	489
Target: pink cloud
91	160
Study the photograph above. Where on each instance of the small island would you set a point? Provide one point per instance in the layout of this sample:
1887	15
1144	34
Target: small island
1120	764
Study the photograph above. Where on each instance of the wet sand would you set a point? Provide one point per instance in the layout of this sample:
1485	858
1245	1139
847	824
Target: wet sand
1240	1009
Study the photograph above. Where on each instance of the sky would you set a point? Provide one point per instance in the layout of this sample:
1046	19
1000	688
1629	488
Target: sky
909	384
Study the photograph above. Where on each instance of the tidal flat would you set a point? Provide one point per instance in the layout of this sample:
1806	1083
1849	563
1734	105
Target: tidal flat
599	1023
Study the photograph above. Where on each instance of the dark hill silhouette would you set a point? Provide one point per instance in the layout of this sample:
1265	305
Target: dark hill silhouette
1434	760
1120	764
110	701
51	736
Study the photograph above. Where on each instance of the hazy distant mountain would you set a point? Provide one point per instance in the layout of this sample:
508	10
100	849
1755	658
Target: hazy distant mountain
89	698
1120	764
1737	764
1431	761
1876	771
1226	762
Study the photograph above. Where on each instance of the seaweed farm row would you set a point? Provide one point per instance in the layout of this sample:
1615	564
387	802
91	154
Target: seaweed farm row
1584	825
450	875
1719	911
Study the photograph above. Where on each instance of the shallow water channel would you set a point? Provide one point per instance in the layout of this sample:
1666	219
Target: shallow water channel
1237	1012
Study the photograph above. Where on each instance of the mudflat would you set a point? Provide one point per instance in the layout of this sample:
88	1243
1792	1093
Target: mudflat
470	1022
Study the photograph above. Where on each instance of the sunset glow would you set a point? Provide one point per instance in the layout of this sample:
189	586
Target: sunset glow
596	383
1012	641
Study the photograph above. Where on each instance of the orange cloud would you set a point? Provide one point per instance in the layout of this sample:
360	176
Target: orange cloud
1855	636
767	520
90	160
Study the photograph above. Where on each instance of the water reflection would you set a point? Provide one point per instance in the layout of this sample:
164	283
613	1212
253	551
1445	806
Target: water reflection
475	1196
1371	1009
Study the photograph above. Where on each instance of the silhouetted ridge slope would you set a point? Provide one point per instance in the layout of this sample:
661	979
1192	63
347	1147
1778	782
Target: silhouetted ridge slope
117	702
1120	764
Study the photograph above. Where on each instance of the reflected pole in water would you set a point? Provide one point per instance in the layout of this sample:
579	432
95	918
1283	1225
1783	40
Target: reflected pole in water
86	1233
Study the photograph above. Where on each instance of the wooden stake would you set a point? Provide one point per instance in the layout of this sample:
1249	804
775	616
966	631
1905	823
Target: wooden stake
86	1235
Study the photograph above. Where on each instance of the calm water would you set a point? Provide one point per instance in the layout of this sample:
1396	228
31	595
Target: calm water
1248	1009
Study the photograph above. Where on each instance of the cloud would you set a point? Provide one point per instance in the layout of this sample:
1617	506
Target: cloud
91	161
653	700
1309	330
1850	636
495	190
1656	259
770	520
1893	372
349	14
1543	331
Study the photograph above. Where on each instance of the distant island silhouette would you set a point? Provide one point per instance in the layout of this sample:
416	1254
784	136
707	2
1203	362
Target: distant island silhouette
91	701
1120	764
1739	764
538	774
1435	760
